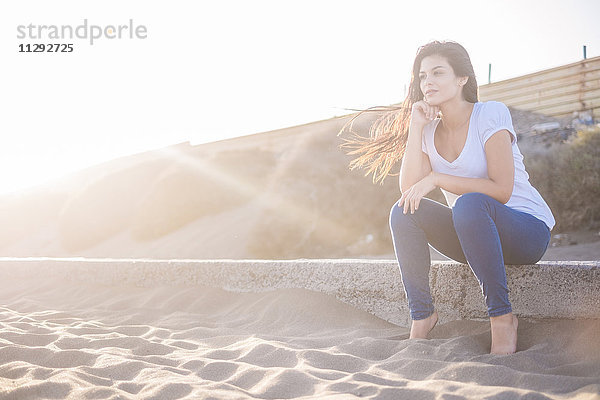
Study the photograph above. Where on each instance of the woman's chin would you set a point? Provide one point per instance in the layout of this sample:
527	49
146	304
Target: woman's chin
432	102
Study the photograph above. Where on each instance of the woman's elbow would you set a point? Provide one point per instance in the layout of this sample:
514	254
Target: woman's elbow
505	195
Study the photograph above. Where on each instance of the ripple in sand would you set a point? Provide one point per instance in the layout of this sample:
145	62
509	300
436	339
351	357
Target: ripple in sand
130	387
223	354
218	371
169	391
193	365
327	375
14	370
286	384
122	370
29	339
182	344
47	390
378	380
338	362
351	389
248	379
43	357
268	356
370	349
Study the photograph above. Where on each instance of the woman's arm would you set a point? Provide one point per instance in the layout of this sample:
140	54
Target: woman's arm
415	164
499	185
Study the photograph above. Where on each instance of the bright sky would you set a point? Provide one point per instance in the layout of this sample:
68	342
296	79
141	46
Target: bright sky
210	70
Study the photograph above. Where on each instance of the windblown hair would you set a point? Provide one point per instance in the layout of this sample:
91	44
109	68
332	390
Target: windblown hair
388	135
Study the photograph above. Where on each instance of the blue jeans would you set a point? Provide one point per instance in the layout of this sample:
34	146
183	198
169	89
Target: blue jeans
478	230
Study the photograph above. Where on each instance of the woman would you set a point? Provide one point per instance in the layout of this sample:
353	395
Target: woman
447	138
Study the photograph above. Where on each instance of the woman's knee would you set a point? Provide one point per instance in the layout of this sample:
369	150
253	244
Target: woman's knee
466	207
470	200
397	217
394	217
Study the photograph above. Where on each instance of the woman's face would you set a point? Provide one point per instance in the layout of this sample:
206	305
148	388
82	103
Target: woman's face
438	82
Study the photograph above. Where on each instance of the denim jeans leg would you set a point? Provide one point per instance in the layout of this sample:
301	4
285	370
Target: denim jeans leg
488	230
411	233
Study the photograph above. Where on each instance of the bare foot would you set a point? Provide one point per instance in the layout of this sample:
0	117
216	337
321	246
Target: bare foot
504	334
420	328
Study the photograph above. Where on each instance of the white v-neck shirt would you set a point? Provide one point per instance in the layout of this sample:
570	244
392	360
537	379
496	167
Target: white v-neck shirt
486	119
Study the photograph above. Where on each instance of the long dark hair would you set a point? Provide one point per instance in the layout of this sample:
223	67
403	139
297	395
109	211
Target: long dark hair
386	143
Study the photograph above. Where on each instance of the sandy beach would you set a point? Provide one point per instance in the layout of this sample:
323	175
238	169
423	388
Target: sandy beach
65	341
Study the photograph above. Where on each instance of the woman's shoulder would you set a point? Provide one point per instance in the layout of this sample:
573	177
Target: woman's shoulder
493	116
493	106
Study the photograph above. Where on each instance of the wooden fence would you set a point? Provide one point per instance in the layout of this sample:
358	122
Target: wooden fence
557	92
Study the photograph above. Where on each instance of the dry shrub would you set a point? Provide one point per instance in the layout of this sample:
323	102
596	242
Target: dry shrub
567	175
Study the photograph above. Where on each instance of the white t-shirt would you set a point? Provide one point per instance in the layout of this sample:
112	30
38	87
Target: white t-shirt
486	119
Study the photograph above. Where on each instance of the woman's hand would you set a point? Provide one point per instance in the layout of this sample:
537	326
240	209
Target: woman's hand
423	113
412	197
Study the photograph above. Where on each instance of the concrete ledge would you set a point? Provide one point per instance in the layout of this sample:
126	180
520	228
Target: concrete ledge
552	289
